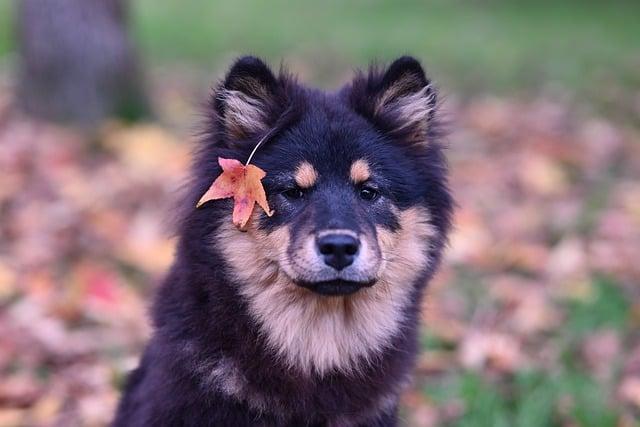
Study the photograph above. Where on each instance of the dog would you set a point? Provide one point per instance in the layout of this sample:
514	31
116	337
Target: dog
310	316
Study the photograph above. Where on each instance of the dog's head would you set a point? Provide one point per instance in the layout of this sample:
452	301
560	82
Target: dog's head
356	179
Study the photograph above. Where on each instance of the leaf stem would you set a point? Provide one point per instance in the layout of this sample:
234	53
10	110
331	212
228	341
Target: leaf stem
278	125
266	135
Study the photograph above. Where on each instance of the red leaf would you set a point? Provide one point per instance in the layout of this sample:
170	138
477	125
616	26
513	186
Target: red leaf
243	183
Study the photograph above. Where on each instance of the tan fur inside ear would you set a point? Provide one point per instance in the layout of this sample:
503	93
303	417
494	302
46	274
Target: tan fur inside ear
413	108
244	115
400	87
252	87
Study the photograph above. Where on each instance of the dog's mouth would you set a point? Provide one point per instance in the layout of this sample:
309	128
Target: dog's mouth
336	287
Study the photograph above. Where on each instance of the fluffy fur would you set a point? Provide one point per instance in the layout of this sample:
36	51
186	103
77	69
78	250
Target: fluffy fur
267	327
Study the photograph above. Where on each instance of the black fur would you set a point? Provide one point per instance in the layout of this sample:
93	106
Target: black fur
199	315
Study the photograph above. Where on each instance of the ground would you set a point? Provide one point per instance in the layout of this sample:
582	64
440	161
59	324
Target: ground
532	321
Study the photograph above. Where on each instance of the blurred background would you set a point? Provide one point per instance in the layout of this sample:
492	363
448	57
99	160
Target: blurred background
533	319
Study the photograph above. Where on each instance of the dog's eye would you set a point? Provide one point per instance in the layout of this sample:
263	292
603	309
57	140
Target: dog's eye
293	193
368	193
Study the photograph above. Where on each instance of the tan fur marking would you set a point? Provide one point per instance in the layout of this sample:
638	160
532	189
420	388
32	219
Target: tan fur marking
226	376
243	115
313	333
394	92
360	171
414	108
306	175
252	86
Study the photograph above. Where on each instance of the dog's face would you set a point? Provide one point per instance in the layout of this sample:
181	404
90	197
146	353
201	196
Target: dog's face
334	208
334	205
348	174
335	188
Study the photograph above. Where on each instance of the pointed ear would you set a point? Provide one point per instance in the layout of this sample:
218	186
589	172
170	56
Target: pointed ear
249	100
400	100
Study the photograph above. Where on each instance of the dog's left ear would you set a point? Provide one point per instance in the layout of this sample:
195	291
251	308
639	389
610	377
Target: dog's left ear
399	100
250	98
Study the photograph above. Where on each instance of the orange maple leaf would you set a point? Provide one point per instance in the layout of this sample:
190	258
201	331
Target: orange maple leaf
243	183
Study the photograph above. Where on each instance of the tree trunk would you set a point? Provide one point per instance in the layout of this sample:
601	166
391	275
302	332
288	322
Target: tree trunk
76	61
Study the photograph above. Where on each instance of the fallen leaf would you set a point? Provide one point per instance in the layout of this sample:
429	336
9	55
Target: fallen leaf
599	350
46	409
8	282
146	149
10	417
630	391
18	391
542	175
481	348
243	184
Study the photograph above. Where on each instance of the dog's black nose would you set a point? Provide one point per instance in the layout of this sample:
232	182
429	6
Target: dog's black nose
338	250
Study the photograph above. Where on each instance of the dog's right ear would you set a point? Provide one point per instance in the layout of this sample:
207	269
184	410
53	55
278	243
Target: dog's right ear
249	100
400	100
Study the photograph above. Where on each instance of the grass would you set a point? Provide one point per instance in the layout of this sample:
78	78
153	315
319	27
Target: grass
493	45
566	394
490	45
531	400
608	308
6	36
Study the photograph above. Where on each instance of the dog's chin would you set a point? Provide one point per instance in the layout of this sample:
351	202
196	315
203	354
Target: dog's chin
337	287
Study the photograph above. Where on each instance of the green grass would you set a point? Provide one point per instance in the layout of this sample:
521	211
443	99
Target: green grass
489	45
495	45
527	399
564	394
608	308
531	399
6	36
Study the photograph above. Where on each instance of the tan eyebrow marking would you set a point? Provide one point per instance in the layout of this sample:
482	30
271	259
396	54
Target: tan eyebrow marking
360	171
305	175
